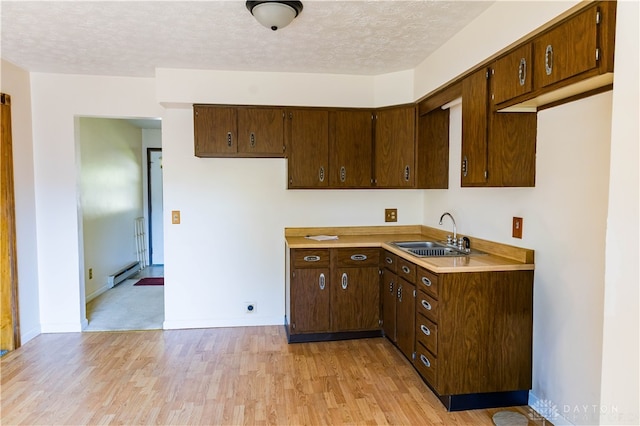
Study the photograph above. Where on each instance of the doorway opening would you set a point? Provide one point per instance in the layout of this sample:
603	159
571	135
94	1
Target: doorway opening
120	189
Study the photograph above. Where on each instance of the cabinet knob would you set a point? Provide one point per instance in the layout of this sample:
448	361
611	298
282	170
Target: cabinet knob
388	260
311	258
405	269
345	280
252	140
407	173
399	293
321	174
425	329
426	281
391	287
465	166
229	139
343	174
359	257
321	282
426	305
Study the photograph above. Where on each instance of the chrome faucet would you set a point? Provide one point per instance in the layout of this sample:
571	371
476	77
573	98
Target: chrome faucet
455	233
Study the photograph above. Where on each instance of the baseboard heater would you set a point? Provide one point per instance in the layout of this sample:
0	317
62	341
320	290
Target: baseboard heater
123	273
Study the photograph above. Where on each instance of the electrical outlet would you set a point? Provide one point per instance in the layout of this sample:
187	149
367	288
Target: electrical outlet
517	227
175	217
250	307
90	273
390	215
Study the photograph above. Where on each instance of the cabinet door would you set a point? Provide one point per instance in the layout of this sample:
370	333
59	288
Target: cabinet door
310	301
405	317
261	131
308	148
474	128
395	147
350	148
511	75
389	289
432	163
215	132
352	292
512	149
567	50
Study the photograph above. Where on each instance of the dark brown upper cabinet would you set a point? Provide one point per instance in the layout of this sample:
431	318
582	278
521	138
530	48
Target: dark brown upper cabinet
432	160
307	134
394	153
350	148
229	131
498	148
512	74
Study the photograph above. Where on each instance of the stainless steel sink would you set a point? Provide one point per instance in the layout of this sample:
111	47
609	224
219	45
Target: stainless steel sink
432	249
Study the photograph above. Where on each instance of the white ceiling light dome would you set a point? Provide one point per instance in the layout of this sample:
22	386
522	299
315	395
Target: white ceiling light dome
275	14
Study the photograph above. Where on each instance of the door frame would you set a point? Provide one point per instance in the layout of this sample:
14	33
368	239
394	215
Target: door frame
149	203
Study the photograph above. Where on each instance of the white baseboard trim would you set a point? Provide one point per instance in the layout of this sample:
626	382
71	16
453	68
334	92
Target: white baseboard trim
72	327
548	410
89	297
25	336
217	323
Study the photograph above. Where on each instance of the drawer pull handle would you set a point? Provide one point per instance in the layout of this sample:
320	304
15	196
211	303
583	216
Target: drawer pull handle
343	174
426	305
252	140
548	60
522	71
311	258
391	287
405	269
425	360
321	174
399	294
345	281
388	260
229	139
359	257
426	281
425	329
321	282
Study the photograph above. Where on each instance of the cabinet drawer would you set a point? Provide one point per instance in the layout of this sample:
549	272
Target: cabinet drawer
427	333
427	365
389	261
406	270
427	306
310	258
358	256
427	282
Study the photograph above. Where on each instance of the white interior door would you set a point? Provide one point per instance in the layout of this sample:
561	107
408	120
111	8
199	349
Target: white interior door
156	240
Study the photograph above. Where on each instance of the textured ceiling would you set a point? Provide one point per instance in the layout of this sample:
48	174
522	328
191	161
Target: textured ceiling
132	38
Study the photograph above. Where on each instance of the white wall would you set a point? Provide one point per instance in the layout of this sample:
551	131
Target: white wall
57	100
16	82
110	197
620	375
565	223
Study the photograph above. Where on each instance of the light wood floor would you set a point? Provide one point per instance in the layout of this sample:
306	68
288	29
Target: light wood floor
244	375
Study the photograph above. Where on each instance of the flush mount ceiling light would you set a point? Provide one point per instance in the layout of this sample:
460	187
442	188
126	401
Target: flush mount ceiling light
275	14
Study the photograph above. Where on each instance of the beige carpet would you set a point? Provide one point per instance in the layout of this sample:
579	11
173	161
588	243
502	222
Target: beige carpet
127	307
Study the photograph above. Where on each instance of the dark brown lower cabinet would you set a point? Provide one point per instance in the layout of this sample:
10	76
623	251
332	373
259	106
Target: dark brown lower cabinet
333	294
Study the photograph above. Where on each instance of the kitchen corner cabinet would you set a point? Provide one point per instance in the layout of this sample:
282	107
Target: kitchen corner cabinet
350	148
307	137
498	148
333	294
227	131
395	147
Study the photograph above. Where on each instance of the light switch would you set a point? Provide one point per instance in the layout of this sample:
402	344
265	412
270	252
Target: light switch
175	217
